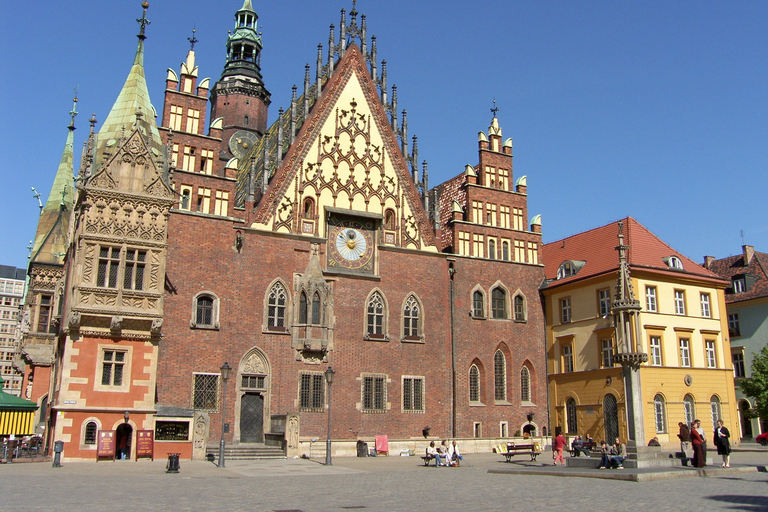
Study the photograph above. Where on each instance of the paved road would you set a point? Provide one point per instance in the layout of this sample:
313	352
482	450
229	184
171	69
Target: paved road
369	484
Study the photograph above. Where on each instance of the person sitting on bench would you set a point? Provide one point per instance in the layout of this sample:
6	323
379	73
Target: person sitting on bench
578	447
432	451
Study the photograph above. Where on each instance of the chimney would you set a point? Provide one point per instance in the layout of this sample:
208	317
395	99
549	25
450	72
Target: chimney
708	260
749	252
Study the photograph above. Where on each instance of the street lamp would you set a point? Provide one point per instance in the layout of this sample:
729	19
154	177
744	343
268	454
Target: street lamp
329	373
224	377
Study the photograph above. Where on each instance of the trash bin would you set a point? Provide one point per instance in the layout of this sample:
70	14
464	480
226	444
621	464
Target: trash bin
362	449
58	448
173	463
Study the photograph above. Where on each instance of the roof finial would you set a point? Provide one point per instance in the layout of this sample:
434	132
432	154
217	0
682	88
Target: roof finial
192	40
143	21
353	12
495	108
73	112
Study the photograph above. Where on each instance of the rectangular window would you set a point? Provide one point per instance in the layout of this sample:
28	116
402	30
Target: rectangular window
517	219
739	285
477	212
567	359
504	217
206	391
679	302
185	199
193	120
174	122
685	352
190	159
533	252
44	313
711	354
221	205
464	243
491	248
650	299
374	393
738	365
565	310
607	353
175	155
203	200
490	214
734	329
413	394
706	311
252	382
135	261
477	246
171	431
490	176
206	161
112	366
604	301
312	392
503	179
656	350
520	251
109	263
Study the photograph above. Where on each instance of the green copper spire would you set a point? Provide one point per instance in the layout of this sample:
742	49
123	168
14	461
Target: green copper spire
244	46
133	106
52	239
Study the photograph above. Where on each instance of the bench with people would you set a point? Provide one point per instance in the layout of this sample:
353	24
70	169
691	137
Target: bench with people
526	448
447	454
585	446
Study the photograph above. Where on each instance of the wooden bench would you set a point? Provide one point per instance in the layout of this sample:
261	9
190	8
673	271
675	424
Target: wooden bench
586	445
524	449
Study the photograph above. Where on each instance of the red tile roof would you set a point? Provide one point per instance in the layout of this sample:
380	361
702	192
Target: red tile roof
597	247
733	266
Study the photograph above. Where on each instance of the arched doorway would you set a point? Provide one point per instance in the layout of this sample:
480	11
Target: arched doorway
253	397
123	435
611	418
746	422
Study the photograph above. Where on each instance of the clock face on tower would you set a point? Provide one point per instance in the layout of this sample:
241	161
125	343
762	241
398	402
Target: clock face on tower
350	244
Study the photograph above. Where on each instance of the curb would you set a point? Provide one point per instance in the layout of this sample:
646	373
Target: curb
634	477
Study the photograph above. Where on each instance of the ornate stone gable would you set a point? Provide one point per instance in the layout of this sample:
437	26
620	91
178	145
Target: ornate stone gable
346	156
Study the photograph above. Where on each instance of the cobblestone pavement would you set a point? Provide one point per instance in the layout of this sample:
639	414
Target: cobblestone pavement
370	484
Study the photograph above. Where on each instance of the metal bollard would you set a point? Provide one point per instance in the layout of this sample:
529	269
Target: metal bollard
58	447
173	463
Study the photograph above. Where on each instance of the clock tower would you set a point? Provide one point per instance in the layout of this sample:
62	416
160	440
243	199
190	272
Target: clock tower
239	98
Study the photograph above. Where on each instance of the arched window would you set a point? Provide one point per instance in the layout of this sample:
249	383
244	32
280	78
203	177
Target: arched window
316	309
499	303
689	409
375	316
500	376
303	308
525	385
521	314
389	220
186	195
474	384
309	208
411	313
505	251
205	311
477	304
276	304
714	406
570	416
660	413
245	121
492	249
90	432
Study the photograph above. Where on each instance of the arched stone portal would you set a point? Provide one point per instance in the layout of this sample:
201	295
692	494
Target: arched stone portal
252	406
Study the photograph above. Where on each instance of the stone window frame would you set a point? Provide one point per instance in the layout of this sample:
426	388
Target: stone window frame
500	377
422	393
498	285
475	382
526	385
83	429
681	308
384	335
519	295
374	377
125	385
419	336
285	329
651	299
710	353
684	351
185	192
484	303
706	305
315	376
217	397
215	313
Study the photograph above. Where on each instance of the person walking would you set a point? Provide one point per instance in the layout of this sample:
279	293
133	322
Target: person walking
723	443
685	437
697	440
558	445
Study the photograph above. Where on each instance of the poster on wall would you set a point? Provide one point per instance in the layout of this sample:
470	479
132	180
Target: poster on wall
106	446
145	444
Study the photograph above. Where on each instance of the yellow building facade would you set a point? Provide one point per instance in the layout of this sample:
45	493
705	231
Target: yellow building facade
681	326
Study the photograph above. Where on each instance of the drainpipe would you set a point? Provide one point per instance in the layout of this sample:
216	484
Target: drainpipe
452	274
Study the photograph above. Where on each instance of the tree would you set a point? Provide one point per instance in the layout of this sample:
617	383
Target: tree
756	386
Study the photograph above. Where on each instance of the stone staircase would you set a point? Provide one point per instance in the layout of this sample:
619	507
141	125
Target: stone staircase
245	451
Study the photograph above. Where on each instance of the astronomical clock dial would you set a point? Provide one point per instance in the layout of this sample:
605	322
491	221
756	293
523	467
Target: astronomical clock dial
241	141
350	246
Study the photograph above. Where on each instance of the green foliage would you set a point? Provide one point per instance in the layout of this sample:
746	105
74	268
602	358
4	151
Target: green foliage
756	386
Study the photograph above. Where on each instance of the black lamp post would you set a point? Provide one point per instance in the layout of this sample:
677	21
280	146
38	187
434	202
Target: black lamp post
329	373
224	377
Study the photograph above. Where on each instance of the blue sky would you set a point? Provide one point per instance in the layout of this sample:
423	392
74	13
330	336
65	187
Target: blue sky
653	109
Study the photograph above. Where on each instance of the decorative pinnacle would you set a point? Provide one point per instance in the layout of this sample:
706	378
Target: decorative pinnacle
143	21
353	12
192	40
495	108
73	112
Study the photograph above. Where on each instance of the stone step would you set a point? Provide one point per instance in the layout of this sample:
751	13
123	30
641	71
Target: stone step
247	452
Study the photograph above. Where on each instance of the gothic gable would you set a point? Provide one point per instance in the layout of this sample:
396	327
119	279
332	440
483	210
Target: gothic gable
346	157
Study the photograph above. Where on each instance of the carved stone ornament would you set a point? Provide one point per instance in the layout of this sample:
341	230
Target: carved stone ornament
73	320
157	324
116	324
254	364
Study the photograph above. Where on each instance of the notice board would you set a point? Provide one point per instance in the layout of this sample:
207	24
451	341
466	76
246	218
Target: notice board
106	446
145	444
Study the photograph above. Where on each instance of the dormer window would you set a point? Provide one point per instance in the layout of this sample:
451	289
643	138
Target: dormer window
739	285
673	262
569	268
